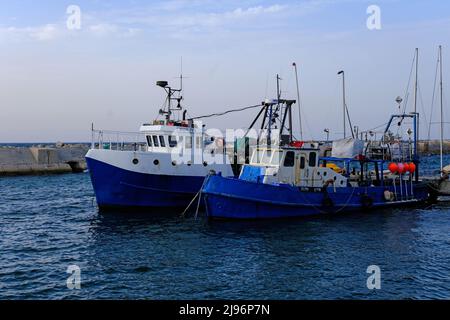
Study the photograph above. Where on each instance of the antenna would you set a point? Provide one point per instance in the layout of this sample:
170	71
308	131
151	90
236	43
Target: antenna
181	74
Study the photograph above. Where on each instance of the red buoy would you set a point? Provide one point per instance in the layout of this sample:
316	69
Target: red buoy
412	167
406	166
401	168
393	167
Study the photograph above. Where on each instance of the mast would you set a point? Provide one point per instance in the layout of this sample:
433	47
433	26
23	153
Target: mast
442	110
343	101
417	132
298	99
416	83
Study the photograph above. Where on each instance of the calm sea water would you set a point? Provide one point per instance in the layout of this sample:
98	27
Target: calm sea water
48	223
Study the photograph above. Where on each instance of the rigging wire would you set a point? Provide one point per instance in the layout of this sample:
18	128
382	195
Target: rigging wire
423	106
226	112
409	83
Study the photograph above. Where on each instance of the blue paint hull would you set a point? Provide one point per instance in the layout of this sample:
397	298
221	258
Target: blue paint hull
229	198
115	187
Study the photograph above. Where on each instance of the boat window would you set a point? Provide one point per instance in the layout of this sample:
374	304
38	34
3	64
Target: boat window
198	142
155	141
312	159
302	162
259	156
266	157
276	158
188	142
162	141
149	141
289	159
172	141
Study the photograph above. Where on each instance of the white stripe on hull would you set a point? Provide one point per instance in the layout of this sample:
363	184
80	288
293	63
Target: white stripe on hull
124	160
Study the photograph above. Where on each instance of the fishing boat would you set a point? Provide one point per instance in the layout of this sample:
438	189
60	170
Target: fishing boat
293	179
161	166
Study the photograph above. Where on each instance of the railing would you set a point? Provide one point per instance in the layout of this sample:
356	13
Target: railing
118	140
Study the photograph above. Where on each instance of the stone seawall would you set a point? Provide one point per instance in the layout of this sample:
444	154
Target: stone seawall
43	160
433	147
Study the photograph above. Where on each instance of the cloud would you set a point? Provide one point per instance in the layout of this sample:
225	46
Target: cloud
46	33
40	33
177	14
103	29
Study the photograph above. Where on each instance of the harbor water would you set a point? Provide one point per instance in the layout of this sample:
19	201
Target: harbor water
48	223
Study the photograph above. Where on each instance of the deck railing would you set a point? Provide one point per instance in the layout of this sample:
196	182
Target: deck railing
118	140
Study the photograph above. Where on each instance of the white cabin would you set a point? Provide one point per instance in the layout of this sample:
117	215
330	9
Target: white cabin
294	166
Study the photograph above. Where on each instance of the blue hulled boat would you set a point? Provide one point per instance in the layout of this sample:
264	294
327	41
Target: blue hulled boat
161	166
297	181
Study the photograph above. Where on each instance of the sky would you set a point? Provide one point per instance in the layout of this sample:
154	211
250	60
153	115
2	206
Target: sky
55	81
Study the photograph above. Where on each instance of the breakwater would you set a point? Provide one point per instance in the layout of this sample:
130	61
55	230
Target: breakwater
42	159
432	147
65	158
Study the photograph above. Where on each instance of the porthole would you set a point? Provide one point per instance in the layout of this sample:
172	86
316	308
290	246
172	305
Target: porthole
189	164
205	164
324	174
135	161
156	162
174	163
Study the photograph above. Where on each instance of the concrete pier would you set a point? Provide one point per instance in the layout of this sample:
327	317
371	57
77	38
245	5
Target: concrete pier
43	159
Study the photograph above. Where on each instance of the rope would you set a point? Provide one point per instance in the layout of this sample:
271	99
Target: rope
198	194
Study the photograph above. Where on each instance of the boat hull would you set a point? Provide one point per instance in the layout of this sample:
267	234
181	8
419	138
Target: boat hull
115	187
229	198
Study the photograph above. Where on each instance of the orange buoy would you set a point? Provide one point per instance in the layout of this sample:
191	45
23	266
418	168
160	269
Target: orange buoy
412	167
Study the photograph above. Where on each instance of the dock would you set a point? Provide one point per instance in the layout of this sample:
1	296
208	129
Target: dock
43	159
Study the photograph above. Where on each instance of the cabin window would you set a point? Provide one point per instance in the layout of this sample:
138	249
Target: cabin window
198	142
188	142
276	158
172	141
289	159
312	159
162	142
155	141
149	141
259	156
266	157
302	163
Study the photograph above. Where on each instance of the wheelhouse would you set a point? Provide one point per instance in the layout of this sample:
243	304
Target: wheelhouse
164	138
293	166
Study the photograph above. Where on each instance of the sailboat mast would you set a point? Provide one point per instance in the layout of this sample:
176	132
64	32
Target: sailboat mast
298	102
442	110
415	86
343	101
